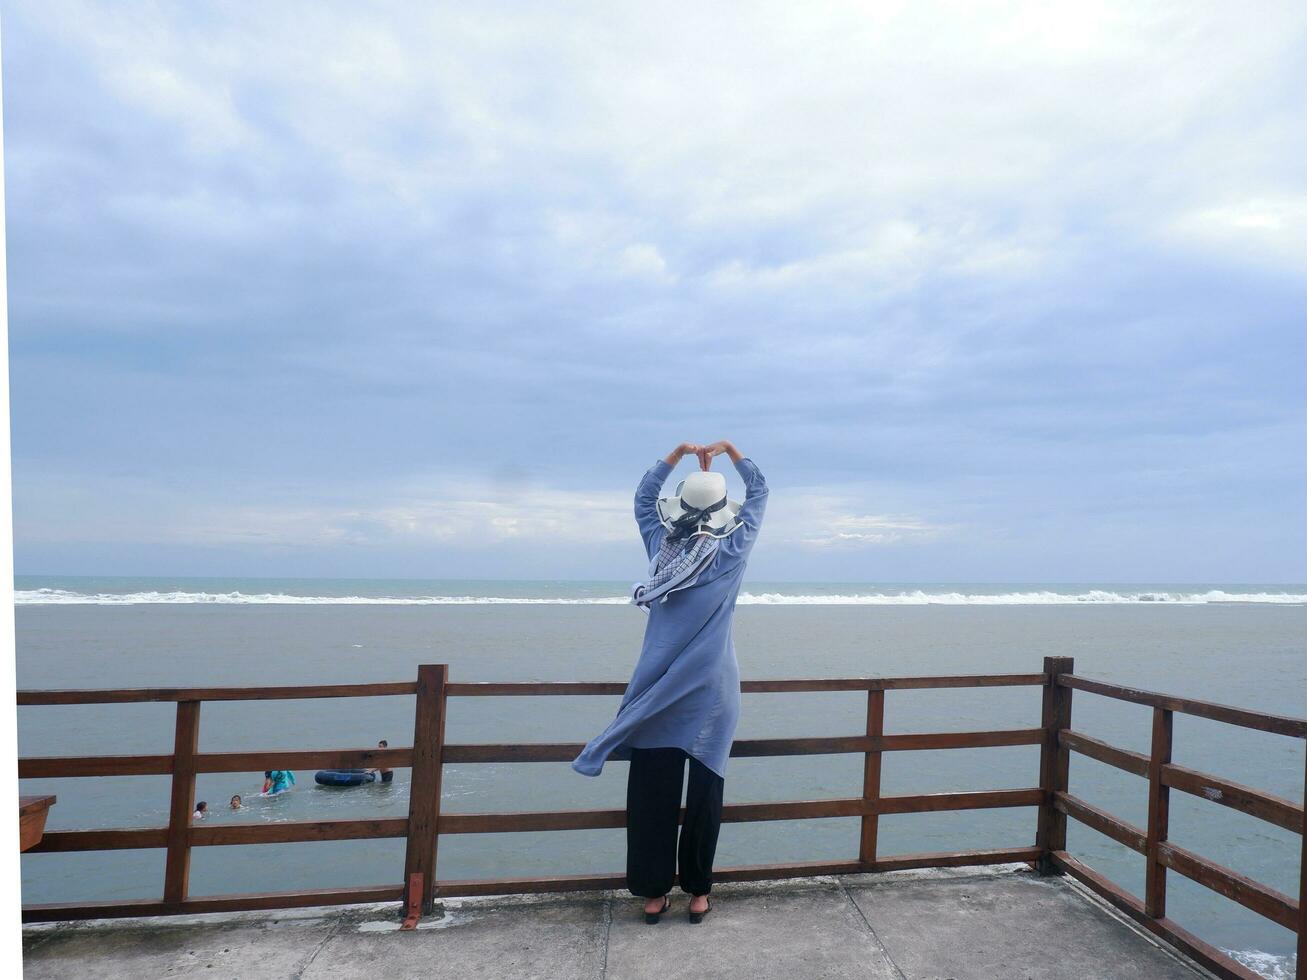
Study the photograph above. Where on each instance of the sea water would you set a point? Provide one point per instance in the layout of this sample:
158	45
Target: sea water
1242	645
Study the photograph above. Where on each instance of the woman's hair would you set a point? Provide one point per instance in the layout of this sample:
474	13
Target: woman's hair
267	774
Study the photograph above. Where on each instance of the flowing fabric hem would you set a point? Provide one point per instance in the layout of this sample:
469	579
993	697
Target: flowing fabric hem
622	753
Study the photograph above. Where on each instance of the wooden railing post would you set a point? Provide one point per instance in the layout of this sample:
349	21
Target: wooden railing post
871	780
1302	887
1159	805
177	870
1054	761
424	790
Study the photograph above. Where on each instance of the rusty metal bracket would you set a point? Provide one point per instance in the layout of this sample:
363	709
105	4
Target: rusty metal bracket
413	901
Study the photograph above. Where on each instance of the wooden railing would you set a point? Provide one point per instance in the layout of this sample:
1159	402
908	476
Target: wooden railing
1160	855
425	823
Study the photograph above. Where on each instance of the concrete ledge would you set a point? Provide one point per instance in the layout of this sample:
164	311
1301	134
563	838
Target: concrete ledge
962	923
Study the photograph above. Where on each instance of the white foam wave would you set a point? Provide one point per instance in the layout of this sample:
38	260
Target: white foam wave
64	597
1042	598
908	598
1270	965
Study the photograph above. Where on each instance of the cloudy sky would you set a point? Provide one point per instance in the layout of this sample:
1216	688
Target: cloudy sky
1003	292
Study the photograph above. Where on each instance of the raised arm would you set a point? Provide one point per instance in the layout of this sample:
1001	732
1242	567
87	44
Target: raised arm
646	496
738	544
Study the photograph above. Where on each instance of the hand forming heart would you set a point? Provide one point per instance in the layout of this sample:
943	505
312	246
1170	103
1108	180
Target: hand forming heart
704	453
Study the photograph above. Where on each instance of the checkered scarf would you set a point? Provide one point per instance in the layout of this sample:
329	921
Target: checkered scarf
676	565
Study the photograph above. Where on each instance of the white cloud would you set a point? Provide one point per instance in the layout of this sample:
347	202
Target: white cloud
643	261
1266	229
865	530
424	511
835	517
458	513
898	136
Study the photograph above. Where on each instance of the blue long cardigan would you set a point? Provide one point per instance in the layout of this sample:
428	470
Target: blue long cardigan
685	690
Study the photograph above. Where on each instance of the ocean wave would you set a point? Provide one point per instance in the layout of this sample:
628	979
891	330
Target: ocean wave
1270	965
1042	598
65	597
916	597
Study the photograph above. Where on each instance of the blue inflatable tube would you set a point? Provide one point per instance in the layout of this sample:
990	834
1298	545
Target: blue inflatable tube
344	777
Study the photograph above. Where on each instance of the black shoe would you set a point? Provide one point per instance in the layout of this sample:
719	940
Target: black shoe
651	918
697	917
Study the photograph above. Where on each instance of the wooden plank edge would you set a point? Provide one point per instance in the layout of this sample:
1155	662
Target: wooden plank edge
115	839
304	831
145	838
1124	759
500	752
165	694
142	838
551	820
74	767
254	902
1252	895
1263	806
1121	831
1228	714
779	686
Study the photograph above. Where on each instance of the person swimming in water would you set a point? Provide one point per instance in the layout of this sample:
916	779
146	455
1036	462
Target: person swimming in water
277	781
383	775
236	803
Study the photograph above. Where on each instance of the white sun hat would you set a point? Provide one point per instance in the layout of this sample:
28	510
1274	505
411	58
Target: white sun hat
700	501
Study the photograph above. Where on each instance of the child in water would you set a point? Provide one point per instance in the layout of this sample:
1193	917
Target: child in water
201	810
236	803
383	775
277	781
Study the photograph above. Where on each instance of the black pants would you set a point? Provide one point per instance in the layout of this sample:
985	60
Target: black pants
653	806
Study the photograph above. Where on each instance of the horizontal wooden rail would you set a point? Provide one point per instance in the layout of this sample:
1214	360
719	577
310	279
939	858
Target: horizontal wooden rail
396	758
57	766
117	839
759	747
1135	838
50	767
499	823
1264	806
148	694
1135	762
545	820
562	688
1242	717
500	689
219	834
298	831
1252	895
253	902
1206	954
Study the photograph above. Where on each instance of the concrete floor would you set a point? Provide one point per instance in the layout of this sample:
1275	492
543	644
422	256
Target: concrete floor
965	924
